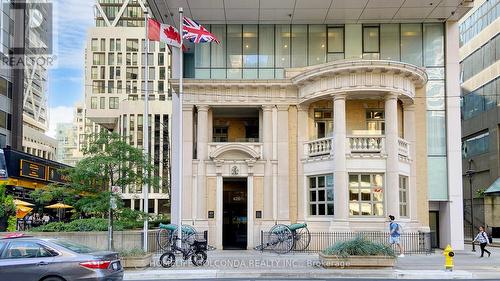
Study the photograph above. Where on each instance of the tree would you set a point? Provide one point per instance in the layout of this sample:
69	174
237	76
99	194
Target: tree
109	161
7	209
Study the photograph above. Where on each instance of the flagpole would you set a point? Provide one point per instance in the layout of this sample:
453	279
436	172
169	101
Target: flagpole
145	118
179	138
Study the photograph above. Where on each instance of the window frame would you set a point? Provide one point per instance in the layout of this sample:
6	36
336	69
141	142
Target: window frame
404	194
372	202
364	28
4	250
317	189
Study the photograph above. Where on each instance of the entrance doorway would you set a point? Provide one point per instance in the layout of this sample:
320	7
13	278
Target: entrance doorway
234	228
434	227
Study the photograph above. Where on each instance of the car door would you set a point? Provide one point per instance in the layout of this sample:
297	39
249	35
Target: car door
24	260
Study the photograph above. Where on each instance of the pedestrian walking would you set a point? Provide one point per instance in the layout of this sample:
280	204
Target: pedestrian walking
395	235
482	238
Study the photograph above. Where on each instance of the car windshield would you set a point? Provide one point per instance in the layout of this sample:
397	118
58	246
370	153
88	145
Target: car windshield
72	246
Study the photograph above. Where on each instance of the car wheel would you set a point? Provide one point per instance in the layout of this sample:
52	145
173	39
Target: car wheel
52	278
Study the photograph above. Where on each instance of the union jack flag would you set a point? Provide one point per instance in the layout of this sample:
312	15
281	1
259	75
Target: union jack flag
197	33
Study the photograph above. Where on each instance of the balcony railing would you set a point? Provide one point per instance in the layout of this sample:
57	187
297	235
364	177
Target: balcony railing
355	145
366	144
319	147
403	148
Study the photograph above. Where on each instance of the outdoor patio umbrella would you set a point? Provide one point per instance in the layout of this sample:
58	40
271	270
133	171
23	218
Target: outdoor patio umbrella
59	206
22	211
18	202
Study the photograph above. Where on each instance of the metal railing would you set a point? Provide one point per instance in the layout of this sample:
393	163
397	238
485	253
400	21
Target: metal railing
412	242
122	240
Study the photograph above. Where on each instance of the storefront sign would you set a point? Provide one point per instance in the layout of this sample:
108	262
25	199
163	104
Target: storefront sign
33	170
56	176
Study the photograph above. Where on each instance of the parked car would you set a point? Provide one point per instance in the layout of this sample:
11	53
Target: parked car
51	259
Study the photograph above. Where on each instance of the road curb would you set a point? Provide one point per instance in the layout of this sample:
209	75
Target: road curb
317	273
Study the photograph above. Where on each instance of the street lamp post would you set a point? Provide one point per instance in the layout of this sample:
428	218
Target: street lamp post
470	173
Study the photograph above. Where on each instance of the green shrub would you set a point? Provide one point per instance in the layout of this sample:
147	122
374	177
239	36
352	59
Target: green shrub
359	246
92	224
135	252
11	224
155	222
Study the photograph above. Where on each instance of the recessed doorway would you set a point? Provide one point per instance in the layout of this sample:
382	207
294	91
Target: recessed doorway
234	228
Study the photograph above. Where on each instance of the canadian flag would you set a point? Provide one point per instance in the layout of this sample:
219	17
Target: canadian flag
163	33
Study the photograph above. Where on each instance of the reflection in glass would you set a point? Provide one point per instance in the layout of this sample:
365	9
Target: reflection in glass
250	47
317	44
411	43
434	44
282	45
299	45
266	46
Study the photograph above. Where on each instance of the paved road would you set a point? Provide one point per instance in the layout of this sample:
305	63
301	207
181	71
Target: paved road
291	279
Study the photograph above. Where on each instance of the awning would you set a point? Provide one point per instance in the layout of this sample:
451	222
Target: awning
494	188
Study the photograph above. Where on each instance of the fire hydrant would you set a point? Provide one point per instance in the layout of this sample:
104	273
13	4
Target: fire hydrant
449	254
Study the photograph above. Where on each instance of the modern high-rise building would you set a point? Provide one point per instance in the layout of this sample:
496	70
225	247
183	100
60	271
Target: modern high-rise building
334	113
35	115
115	71
6	104
71	137
480	72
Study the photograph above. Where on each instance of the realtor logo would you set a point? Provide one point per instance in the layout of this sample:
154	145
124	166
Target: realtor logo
38	18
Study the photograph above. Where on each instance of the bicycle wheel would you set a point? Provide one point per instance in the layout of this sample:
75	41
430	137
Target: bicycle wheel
301	239
188	236
167	259
199	258
281	239
163	238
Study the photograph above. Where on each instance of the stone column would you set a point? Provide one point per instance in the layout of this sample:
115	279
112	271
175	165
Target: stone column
339	148
302	133
202	143
391	185
219	206
267	155
409	136
156	206
282	194
250	211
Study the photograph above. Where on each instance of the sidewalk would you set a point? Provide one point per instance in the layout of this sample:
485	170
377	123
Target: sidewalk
253	264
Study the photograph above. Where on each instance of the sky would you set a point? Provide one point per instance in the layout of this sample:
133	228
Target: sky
71	19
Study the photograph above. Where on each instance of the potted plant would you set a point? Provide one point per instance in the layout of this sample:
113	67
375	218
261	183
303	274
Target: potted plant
7	210
358	252
135	258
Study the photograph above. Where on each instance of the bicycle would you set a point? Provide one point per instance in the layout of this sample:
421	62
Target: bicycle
166	233
197	251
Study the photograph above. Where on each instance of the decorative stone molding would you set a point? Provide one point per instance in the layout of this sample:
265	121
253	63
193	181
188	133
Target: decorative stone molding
360	76
250	149
202	107
355	78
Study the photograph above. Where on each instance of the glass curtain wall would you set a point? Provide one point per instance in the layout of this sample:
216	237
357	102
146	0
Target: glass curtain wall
250	51
433	60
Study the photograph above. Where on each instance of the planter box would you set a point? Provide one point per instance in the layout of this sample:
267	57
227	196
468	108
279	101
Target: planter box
356	261
136	262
